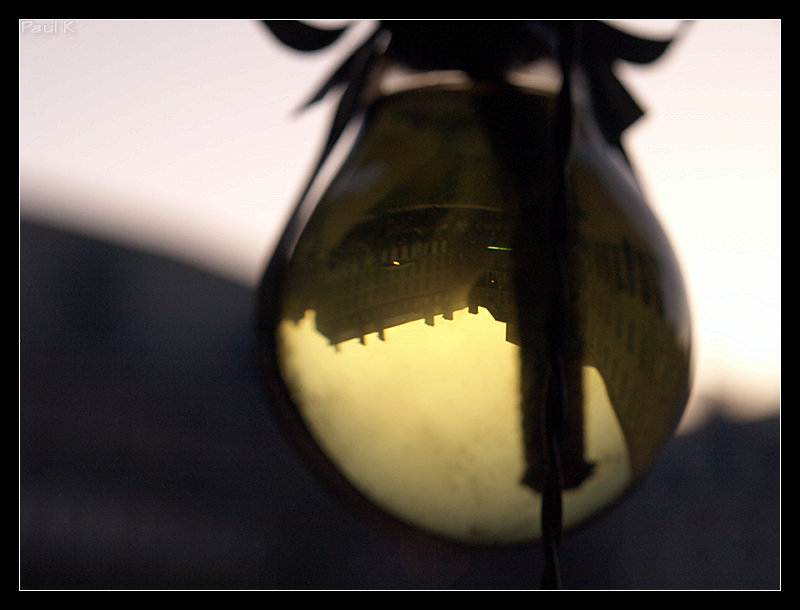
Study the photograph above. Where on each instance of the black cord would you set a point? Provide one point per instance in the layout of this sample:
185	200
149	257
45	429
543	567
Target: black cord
557	398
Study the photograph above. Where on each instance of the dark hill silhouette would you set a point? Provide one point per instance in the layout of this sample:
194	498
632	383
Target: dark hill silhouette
148	459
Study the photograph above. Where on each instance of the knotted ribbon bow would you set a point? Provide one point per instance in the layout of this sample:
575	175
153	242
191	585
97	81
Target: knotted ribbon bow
485	50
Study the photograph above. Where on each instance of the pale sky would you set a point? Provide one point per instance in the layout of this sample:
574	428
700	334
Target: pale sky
178	137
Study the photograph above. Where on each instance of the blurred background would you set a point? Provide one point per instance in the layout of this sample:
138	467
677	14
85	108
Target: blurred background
158	162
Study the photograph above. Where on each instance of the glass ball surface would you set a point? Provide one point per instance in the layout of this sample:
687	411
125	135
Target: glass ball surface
397	316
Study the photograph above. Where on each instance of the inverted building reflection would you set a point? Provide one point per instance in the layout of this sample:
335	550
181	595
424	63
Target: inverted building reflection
415	264
412	265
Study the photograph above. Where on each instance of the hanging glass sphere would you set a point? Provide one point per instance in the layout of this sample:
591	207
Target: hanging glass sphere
406	319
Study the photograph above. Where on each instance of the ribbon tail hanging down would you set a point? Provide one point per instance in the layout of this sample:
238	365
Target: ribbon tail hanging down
352	75
602	46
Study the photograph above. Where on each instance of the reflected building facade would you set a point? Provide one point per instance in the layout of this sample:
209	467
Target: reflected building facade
368	288
424	264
